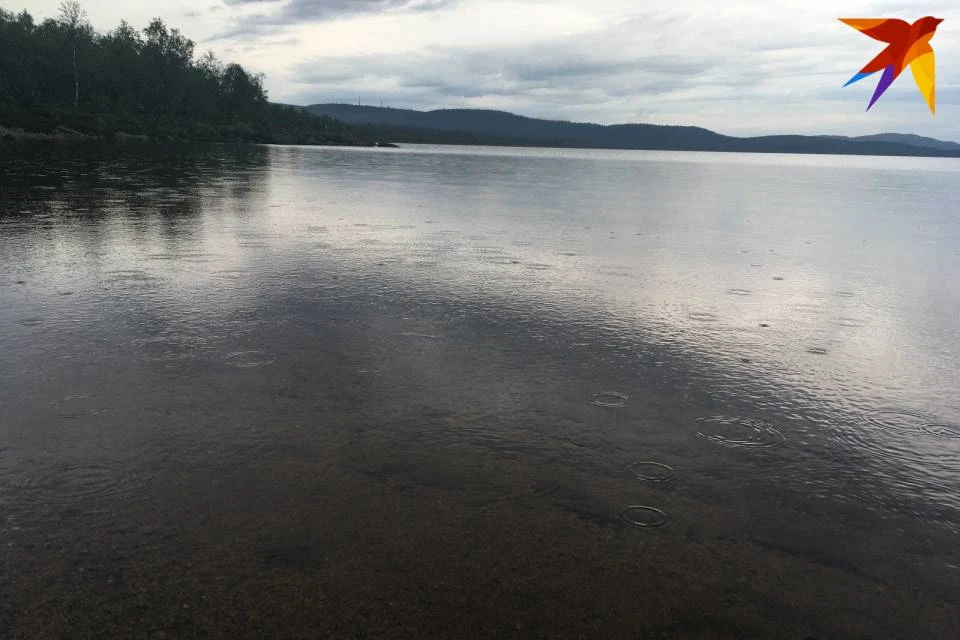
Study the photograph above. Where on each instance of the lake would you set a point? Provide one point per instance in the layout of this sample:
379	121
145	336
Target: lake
252	391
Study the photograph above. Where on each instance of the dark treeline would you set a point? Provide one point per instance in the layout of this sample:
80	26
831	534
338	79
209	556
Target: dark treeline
63	73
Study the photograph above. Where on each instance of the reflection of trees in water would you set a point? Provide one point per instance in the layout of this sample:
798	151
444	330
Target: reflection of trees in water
134	185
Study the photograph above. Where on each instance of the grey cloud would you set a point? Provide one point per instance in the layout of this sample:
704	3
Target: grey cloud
628	61
601	74
672	73
295	12
553	75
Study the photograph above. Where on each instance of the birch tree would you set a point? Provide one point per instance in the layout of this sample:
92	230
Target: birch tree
73	18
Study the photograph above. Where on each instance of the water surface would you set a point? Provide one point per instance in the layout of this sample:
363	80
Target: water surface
470	392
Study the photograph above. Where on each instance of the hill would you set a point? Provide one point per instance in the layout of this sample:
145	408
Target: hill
906	138
481	126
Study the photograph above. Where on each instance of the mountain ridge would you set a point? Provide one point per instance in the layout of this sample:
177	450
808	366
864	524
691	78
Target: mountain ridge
906	138
487	126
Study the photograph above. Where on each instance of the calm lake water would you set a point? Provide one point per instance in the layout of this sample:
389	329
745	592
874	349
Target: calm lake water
457	392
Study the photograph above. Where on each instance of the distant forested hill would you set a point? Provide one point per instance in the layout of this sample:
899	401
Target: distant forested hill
62	76
907	138
479	126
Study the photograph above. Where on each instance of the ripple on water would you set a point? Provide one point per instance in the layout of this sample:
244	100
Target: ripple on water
232	274
425	336
78	406
907	421
198	259
740	292
844	294
30	322
740	432
130	275
538	266
703	316
818	351
7	477
809	307
916	454
848	322
171	346
609	399
617	272
76	482
651	471
491	259
640	515
247	359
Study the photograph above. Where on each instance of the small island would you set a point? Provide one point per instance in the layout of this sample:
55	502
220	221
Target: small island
61	79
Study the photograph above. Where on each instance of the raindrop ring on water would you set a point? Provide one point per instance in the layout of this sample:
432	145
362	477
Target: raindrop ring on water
908	421
610	399
643	516
652	471
740	433
75	482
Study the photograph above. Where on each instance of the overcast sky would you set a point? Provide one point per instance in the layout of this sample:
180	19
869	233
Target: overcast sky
735	66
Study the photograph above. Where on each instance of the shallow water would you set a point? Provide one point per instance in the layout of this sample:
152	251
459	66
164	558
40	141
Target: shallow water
470	392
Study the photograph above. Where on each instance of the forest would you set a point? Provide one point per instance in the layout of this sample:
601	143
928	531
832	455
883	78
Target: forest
61	75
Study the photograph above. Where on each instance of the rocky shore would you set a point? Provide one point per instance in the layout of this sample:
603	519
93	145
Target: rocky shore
15	134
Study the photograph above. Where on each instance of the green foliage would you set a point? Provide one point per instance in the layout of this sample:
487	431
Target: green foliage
64	73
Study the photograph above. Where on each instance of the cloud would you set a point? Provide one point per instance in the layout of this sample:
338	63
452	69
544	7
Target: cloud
740	72
295	12
442	75
738	67
630	67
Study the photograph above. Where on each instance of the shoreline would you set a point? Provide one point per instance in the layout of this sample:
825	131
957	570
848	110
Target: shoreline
64	133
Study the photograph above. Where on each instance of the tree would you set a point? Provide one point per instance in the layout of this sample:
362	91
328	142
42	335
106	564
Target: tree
243	93
137	81
73	18
17	75
119	73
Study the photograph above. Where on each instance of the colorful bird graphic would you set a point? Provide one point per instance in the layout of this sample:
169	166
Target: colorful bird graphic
907	44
